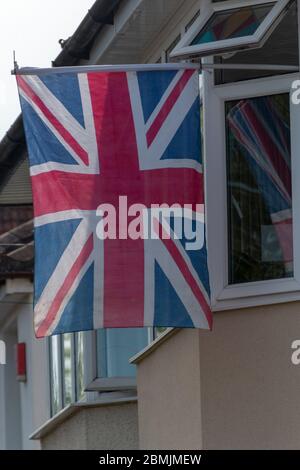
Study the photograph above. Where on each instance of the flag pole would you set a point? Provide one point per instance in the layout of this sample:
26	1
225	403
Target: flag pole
15	64
104	68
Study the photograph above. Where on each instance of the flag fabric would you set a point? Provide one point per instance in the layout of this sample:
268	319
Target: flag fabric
115	138
264	134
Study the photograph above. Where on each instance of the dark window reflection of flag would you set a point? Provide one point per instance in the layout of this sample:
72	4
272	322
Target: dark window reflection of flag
261	127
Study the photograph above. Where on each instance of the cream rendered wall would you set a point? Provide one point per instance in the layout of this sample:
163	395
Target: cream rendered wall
250	390
10	411
233	388
34	393
168	382
109	427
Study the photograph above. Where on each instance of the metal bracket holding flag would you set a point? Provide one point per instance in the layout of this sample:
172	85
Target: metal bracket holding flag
118	190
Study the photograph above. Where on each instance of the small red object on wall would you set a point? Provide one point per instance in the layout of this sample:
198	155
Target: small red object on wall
21	362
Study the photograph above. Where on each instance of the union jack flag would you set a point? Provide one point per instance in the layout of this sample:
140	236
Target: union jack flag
92	137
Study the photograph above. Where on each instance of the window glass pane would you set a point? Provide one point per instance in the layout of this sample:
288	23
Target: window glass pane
67	367
79	366
54	344
259	188
235	23
115	346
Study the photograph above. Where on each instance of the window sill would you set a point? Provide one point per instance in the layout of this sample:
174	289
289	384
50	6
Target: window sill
111	384
255	294
154	345
73	408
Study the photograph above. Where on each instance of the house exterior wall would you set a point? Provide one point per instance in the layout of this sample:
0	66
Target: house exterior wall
34	393
23	405
10	410
233	388
97	428
169	405
248	386
2	402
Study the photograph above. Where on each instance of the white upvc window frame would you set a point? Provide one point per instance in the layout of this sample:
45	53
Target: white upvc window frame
224	295
184	50
95	383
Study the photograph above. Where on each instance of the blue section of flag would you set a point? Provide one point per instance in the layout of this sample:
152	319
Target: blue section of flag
152	87
168	309
66	89
51	150
187	141
197	257
82	303
50	242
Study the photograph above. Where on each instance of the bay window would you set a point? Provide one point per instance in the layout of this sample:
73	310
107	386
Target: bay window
93	361
251	145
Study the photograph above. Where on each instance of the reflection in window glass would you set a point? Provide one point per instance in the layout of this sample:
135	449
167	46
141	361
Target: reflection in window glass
259	188
67	368
232	24
79	367
115	346
54	374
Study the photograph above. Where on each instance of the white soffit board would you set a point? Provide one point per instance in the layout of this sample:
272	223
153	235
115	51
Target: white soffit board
134	32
